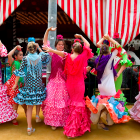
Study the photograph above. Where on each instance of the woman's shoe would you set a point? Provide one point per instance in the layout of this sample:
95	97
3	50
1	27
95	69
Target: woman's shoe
38	119
102	126
30	130
53	128
15	123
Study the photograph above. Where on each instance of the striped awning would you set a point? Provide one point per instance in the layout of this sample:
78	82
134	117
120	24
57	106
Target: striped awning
94	17
97	17
7	7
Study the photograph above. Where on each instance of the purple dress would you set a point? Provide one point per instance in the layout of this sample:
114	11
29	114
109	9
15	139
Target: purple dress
55	107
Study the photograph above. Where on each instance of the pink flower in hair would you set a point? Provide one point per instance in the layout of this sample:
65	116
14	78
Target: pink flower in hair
59	37
77	40
116	35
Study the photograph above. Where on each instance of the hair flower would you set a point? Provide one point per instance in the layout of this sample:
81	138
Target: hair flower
77	40
116	35
59	37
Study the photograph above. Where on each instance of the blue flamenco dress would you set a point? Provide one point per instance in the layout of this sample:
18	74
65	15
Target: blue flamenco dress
34	92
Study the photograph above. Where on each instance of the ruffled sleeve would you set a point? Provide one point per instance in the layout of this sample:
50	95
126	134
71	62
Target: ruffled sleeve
45	58
125	60
22	71
87	52
3	51
122	55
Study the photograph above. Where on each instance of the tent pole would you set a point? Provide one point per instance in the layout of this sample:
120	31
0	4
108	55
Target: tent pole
52	21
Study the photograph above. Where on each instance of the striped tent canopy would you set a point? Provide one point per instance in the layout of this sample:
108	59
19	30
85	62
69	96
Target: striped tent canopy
97	17
7	7
94	17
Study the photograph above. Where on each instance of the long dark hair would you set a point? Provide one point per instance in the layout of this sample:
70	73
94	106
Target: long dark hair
104	50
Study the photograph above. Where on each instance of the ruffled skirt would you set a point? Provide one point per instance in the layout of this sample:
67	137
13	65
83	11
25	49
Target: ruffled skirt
31	96
55	107
6	110
12	94
116	107
135	110
78	121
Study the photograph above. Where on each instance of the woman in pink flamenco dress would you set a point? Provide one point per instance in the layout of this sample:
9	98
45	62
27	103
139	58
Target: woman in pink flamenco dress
6	110
55	107
135	110
78	121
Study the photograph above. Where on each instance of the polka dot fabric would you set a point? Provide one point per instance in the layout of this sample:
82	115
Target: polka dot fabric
55	107
12	94
6	110
33	93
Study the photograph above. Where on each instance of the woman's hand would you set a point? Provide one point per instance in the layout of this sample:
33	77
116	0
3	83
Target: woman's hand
77	36
46	49
106	36
37	45
18	47
88	68
52	29
14	87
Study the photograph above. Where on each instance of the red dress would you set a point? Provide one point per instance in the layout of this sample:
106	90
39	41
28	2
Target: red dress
10	83
78	121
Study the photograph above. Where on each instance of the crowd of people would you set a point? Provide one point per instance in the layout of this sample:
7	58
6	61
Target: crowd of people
62	100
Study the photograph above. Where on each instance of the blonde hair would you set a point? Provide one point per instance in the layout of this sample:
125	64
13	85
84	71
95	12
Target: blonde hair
31	47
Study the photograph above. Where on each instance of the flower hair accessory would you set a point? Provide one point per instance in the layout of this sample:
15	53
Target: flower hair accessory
18	49
59	37
77	40
116	35
30	39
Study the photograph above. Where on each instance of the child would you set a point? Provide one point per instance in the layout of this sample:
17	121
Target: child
6	110
55	107
109	106
15	64
120	64
78	121
33	93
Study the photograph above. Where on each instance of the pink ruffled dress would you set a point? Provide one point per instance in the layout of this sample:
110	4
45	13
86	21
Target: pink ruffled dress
78	121
6	110
55	107
135	110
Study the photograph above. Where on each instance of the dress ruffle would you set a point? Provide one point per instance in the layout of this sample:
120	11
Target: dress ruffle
55	116
55	107
78	121
89	51
19	73
12	94
116	107
135	110
29	96
6	110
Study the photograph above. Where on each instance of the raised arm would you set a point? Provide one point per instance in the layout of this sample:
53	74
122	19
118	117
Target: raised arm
10	58
48	49
46	34
39	49
99	43
106	36
84	40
